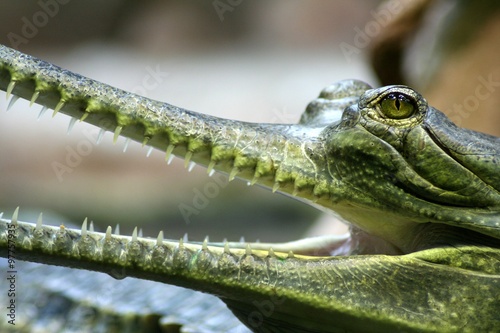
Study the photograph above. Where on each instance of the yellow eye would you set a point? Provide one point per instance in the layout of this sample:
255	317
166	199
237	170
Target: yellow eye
397	106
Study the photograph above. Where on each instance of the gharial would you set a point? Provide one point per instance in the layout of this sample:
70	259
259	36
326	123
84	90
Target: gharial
422	197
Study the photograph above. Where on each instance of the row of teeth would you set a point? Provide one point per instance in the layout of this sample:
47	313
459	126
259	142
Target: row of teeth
137	233
189	165
168	157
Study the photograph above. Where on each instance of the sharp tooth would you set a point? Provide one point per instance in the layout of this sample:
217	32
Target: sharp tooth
145	141
185	237
34	97
83	231
181	244
58	107
117	229
191	166
13	220
91	226
242	239
42	112
12	101
150	150
271	253
159	239
248	250
84	116
291	255
127	141
99	136
168	154
233	173
187	159
118	130
210	168
39	222
140	233
71	125
226	248
10	87
108	233
276	186
204	247
134	235
254	180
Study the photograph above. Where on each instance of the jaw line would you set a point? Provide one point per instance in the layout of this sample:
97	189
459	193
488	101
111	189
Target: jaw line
355	242
310	246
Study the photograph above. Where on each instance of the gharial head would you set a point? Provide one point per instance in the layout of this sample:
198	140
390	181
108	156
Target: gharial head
408	175
408	180
381	158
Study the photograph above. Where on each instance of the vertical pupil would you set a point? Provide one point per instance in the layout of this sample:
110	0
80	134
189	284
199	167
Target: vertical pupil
398	104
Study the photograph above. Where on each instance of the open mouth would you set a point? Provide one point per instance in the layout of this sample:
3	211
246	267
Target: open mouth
354	242
318	246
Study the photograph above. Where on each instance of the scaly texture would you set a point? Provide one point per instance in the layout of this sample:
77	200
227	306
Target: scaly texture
268	154
292	286
422	194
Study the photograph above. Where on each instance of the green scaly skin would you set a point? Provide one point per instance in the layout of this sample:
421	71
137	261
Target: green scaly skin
422	196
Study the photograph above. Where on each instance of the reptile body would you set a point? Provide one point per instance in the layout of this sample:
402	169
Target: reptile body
422	196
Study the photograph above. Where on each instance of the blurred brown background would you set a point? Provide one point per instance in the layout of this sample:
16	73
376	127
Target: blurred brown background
255	60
